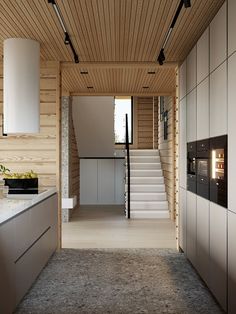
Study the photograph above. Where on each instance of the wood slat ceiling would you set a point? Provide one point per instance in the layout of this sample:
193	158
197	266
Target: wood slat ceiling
109	31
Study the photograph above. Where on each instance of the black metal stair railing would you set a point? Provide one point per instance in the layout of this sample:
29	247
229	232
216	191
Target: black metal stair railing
127	165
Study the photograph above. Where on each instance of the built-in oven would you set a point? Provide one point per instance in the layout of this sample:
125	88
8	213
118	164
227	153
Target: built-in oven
191	167
218	173
203	167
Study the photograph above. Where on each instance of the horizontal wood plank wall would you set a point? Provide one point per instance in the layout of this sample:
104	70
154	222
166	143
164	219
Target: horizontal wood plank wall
38	152
74	169
166	148
145	130
155	121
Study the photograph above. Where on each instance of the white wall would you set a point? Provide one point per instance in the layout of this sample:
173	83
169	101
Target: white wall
93	118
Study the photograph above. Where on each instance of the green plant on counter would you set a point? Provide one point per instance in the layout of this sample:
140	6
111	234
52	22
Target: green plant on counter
3	169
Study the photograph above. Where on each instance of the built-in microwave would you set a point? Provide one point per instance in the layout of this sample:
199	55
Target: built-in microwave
218	171
191	167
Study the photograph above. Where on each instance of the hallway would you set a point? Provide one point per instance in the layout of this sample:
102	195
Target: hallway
106	227
118	281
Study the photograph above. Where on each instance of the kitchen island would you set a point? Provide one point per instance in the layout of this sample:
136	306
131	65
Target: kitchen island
28	238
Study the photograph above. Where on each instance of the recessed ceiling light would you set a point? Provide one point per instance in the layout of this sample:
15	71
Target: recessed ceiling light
89	87
151	72
84	72
145	87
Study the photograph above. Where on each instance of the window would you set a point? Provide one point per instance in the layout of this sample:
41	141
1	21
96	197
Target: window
123	106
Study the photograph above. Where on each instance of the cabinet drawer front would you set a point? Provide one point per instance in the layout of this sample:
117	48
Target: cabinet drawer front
31	263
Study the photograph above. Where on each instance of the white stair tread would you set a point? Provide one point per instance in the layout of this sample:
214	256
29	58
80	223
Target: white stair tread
145	165
147	196
151	214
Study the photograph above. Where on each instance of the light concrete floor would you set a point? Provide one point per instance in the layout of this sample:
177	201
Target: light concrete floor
106	227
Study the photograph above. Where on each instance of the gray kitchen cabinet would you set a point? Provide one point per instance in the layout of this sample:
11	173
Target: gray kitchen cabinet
218	41
231	26
202	249
218	101
182	144
26	243
192	116
182	81
203	56
191	234
182	219
203	117
218	253
231	262
231	132
7	269
191	70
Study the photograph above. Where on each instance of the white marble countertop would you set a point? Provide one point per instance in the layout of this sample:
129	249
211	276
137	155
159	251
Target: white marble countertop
14	204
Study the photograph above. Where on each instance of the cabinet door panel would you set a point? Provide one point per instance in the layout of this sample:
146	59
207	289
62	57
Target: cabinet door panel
106	180
231	132
182	80
203	56
203	119
192	70
231	26
30	265
7	267
218	252
182	219
203	212
88	181
218	102
191	227
218	38
191	117
231	262
182	144
22	233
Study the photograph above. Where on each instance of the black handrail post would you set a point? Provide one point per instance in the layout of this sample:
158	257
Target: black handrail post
128	163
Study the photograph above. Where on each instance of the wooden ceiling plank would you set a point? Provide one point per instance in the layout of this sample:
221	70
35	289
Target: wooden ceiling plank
118	65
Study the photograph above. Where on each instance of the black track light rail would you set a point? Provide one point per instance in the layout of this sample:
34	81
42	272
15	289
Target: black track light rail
67	39
186	4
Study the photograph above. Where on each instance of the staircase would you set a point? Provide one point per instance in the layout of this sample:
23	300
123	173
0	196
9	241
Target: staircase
147	188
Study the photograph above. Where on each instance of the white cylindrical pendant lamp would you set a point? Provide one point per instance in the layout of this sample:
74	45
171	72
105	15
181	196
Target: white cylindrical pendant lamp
21	86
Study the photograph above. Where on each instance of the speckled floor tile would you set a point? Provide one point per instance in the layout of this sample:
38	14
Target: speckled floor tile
118	281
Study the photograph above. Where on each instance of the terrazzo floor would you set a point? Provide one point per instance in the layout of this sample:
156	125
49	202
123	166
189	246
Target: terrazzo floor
118	281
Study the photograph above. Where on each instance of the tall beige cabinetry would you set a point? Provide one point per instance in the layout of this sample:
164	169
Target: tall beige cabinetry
231	157
207	82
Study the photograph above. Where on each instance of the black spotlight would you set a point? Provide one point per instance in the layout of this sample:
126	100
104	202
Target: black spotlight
161	58
67	39
187	3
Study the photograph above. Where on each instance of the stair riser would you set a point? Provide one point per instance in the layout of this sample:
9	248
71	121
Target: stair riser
146	173
140	180
146	188
144	159
145	166
148	197
149	215
148	206
145	152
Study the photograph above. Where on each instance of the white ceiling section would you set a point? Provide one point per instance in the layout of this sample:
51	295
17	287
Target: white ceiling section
126	33
93	118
